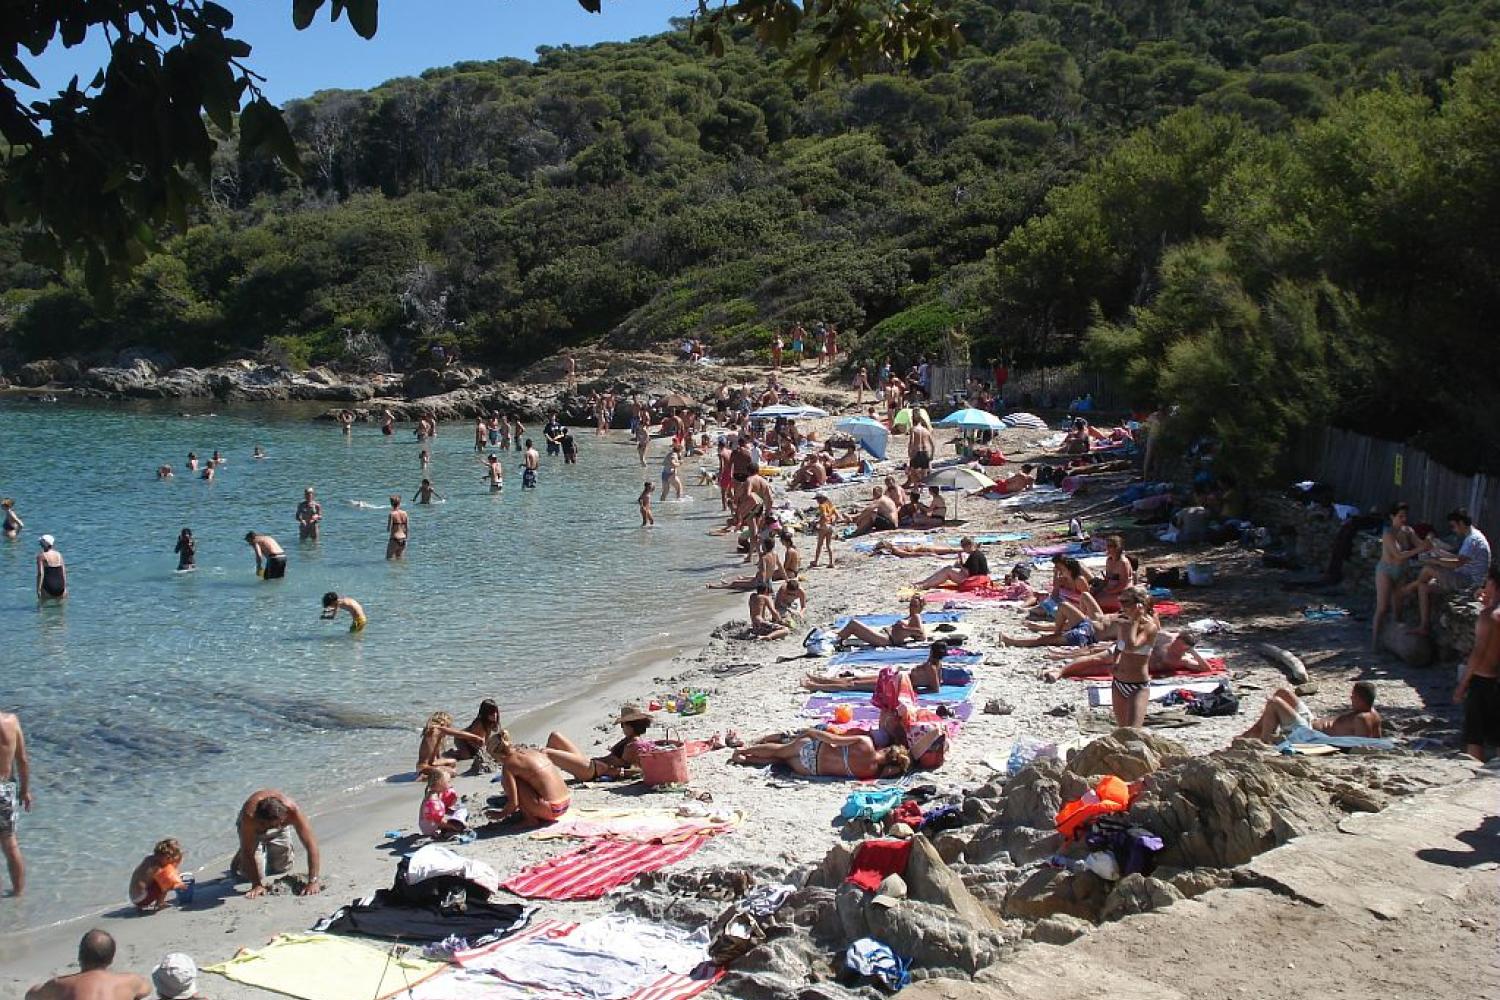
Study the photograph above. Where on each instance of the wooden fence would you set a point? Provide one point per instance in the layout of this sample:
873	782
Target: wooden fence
1367	472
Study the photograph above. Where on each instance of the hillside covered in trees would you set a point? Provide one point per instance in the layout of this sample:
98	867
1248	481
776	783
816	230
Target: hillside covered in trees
1266	211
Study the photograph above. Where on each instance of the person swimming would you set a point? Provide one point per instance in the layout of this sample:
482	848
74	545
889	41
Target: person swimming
425	492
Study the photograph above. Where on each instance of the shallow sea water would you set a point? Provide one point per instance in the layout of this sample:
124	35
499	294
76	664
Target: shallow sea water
154	701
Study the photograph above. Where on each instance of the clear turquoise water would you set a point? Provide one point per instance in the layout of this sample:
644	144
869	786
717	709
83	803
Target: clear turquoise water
154	701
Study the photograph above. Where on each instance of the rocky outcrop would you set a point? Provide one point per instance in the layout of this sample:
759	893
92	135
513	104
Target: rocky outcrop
1130	754
142	375
1060	929
1138	894
1050	891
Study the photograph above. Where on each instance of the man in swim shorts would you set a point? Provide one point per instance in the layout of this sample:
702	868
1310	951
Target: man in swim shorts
1285	711
1479	688
264	828
333	603
15	796
270	558
530	460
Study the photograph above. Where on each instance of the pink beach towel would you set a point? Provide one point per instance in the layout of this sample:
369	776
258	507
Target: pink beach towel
594	869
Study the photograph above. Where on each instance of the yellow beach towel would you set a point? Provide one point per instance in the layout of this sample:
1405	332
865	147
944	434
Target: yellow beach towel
326	967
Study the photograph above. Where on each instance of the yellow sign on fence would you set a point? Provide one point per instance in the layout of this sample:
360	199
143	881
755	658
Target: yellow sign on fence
1400	462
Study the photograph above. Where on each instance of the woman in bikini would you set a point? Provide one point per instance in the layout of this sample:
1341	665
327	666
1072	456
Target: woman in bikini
1077	619
1118	574
533	788
909	629
1130	688
486	726
621	757
816	753
768	571
1398	546
396	524
925	676
430	751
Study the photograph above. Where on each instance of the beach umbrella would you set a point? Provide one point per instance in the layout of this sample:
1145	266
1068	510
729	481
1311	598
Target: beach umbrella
676	400
958	477
790	412
971	419
1023	419
869	432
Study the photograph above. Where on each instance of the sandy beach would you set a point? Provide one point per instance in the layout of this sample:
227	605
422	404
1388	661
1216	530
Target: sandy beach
789	822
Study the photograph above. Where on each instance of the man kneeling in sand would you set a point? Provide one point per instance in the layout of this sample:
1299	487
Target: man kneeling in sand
533	787
1284	710
93	981
264	827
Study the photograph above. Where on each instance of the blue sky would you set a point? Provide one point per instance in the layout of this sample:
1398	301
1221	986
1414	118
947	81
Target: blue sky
414	35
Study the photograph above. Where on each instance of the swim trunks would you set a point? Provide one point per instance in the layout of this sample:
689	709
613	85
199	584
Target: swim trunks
1081	634
921	460
1481	712
882	523
559	808
275	567
10	800
359	624
528	479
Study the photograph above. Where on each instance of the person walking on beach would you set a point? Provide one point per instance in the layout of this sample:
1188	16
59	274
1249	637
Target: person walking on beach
648	520
13	522
529	461
15	796
51	573
93	980
1478	689
187	551
309	516
270	557
333	603
396	526
264	829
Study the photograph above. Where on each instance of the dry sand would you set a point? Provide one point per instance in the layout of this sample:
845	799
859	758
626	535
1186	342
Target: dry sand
790	821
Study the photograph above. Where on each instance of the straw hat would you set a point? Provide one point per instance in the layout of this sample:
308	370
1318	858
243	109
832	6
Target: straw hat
633	713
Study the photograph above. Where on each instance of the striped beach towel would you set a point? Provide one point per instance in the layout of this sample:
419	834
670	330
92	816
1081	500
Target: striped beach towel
596	868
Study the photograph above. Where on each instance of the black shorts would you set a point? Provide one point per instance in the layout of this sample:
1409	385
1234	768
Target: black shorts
275	567
921	460
1482	712
881	523
741	477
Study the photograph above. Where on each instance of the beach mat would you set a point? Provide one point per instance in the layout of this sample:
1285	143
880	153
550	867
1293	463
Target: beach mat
472	982
867	715
867	544
885	621
899	655
1099	696
949	694
639	825
965	598
596	868
326	967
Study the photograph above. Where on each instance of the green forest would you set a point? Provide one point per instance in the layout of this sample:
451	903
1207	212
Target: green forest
1265	212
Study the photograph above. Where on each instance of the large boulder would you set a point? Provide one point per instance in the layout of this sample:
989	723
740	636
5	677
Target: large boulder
1059	929
1032	795
1019	844
1130	754
1221	810
1050	891
34	374
1414	650
436	381
930	880
1138	894
132	379
935	937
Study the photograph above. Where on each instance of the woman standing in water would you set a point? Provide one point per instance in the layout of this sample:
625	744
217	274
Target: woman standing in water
51	574
13	522
396	526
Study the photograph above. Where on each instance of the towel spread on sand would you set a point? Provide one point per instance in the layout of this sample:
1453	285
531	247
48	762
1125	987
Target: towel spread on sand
1301	736
875	859
888	655
639	825
557	960
1099	694
596	868
1215	666
866	715
949	694
885	621
325	967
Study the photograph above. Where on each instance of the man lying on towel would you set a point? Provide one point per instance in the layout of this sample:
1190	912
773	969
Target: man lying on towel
925	676
1285	711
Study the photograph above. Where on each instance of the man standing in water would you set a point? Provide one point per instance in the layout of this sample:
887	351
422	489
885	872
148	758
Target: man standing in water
93	980
15	795
569	448
396	524
270	558
530	461
51	574
309	514
264	827
553	433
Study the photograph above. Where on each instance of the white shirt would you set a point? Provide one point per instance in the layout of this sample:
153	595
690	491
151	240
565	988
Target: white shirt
1476	549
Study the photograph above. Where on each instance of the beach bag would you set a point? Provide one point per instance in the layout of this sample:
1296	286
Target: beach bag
662	765
735	934
871	803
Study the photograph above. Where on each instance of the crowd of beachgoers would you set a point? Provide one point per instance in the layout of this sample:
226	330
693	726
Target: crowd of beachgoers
1037	586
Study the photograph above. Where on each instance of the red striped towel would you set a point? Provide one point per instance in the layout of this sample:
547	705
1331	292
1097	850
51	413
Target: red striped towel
594	869
672	986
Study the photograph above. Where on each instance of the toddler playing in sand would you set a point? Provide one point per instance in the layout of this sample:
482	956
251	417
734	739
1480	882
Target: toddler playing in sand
156	876
442	815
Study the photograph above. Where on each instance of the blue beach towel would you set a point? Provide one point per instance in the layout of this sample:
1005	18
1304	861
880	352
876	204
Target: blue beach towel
1302	734
883	621
887	655
947	694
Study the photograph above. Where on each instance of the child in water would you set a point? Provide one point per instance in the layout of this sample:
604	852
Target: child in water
332	602
258	453
442	815
187	551
156	876
647	520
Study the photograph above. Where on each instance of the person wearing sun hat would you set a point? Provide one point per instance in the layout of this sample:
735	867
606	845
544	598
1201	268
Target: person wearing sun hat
51	574
564	753
176	978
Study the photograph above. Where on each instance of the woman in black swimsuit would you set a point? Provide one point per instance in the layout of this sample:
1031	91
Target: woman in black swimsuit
566	755
51	574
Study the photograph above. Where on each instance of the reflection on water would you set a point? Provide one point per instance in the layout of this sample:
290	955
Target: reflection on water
154	701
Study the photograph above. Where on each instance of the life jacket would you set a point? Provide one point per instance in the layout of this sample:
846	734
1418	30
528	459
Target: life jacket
1110	795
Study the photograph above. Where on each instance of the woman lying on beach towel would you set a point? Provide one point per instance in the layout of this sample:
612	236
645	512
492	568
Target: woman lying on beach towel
816	753
907	630
925	676
1171	653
